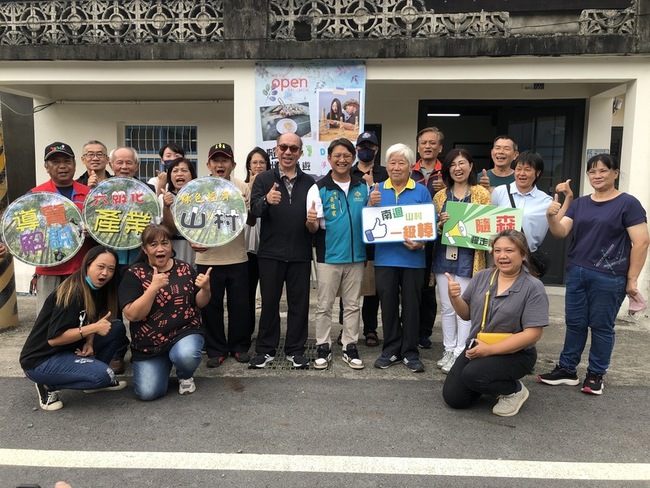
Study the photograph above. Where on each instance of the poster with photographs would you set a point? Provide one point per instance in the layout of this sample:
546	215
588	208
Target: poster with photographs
317	101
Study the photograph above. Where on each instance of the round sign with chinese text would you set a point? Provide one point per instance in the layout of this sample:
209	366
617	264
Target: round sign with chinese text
43	229
209	211
117	210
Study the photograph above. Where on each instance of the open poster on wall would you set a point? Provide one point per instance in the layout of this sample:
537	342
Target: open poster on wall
317	101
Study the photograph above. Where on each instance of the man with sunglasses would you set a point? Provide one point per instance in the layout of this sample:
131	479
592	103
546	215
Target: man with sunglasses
279	198
95	158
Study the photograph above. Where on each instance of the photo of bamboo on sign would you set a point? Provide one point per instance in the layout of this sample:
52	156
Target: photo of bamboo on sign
209	211
472	225
118	209
42	229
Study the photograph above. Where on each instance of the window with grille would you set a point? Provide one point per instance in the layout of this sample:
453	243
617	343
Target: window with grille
148	139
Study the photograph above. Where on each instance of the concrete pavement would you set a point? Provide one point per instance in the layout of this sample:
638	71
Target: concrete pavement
369	428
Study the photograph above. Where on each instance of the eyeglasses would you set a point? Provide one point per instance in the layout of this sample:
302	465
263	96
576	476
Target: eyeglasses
93	155
293	149
344	157
459	164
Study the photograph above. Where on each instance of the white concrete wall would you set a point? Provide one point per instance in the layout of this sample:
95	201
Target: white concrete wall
75	124
394	88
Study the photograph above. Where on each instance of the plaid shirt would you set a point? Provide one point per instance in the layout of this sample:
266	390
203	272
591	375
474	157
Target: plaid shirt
288	182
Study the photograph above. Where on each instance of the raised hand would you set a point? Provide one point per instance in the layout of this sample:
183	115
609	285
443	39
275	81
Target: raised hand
159	280
438	184
565	187
92	179
312	214
203	280
554	207
103	325
367	177
375	196
453	287
274	196
484	180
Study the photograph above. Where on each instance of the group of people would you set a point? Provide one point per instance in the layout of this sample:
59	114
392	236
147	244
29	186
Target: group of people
491	315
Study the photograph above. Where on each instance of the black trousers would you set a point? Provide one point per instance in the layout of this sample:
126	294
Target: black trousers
230	280
490	375
253	279
395	286
428	304
274	275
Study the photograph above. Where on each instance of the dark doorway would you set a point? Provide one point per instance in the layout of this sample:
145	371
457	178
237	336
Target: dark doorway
553	128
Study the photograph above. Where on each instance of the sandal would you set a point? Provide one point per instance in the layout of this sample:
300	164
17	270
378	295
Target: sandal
371	339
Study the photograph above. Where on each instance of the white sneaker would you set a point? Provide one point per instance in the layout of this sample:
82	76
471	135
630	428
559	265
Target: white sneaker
185	387
447	366
509	405
324	357
351	356
444	359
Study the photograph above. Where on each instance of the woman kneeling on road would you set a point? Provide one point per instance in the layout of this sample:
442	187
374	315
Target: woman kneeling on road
73	338
161	297
506	300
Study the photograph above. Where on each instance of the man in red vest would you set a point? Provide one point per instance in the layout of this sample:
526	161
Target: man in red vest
60	165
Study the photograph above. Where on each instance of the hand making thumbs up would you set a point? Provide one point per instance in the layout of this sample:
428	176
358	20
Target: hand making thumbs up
454	287
274	196
312	214
375	196
484	180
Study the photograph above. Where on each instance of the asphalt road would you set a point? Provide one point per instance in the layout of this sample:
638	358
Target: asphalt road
374	428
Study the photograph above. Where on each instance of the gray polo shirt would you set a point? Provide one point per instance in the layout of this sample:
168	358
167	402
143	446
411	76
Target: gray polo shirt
524	304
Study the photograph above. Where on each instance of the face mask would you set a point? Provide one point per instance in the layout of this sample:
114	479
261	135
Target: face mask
366	154
90	284
166	163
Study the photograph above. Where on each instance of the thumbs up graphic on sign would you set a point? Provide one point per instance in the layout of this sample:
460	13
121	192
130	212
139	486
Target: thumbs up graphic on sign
379	231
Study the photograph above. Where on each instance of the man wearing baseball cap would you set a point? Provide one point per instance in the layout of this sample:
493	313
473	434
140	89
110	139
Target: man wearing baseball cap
371	172
60	165
229	275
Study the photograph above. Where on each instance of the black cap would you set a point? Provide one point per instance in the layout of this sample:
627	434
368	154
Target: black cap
221	148
367	137
58	147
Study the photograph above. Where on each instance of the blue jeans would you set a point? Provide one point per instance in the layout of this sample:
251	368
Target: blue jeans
66	370
593	299
151	376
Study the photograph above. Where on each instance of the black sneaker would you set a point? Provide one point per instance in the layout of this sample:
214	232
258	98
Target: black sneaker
324	357
260	361
351	356
216	362
424	342
385	361
414	364
559	376
241	357
593	383
298	361
49	400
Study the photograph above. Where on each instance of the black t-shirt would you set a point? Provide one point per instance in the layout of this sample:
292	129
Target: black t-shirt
173	314
52	321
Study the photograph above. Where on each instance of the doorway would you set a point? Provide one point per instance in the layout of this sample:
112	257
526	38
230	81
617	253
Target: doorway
553	128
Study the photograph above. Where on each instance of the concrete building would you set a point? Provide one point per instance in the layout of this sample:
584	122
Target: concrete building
565	78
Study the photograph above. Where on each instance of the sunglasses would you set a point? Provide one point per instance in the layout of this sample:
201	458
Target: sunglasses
285	147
